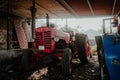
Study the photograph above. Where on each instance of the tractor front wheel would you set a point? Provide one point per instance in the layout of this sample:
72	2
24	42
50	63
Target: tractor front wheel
101	59
67	62
103	70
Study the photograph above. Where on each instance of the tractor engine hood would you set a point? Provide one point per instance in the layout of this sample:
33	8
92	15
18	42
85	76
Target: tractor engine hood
63	35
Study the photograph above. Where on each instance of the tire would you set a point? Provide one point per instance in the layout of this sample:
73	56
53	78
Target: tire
81	40
103	69
72	47
99	47
101	59
67	62
28	61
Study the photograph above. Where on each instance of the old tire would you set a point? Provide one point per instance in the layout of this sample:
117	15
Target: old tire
103	69
67	62
99	47
101	59
81	40
28	60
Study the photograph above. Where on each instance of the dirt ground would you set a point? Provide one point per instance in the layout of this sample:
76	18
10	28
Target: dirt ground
79	72
52	71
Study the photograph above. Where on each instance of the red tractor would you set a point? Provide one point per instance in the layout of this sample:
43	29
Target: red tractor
49	42
60	45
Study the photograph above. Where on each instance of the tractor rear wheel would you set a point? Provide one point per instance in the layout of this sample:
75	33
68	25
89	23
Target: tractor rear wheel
99	47
67	62
81	42
103	69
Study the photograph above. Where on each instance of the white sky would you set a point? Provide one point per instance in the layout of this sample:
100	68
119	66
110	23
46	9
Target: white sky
83	23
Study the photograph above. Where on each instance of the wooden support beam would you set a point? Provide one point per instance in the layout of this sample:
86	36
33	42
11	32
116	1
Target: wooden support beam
17	13
3	4
46	9
67	7
113	8
8	24
13	1
90	7
33	13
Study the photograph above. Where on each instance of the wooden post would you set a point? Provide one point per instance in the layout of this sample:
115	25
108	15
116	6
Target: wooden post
33	12
8	24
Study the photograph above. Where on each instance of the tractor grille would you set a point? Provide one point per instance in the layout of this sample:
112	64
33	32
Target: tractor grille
47	39
39	39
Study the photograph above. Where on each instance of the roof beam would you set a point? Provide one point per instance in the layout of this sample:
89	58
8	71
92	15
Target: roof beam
113	8
13	1
46	9
17	13
2	5
67	7
90	7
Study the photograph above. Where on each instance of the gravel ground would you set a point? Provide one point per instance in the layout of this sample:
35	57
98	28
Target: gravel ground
52	71
89	71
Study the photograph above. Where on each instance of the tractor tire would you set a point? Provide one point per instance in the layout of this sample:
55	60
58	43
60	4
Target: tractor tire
99	47
101	59
28	61
81	44
103	69
67	62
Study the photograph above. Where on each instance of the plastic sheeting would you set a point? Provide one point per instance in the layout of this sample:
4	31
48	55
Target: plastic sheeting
21	37
27	29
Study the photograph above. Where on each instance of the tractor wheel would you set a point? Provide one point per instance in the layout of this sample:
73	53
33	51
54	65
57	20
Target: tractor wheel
103	70
67	62
81	42
28	59
99	47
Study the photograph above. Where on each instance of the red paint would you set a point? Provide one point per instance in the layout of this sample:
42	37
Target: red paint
45	37
87	48
58	55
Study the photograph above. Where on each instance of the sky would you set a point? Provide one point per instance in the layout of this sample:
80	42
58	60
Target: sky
79	23
89	26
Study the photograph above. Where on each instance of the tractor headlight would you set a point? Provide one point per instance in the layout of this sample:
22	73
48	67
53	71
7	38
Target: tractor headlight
56	39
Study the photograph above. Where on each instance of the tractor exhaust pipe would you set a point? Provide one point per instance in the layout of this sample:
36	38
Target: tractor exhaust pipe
47	20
